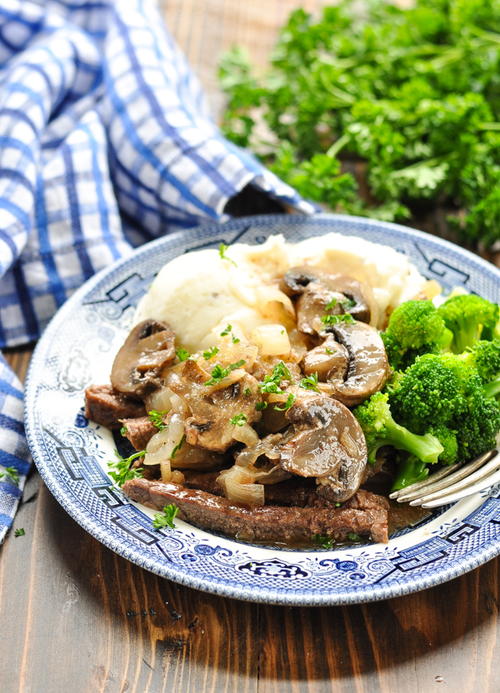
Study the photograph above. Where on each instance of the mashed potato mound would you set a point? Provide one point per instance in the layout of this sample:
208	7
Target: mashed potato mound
199	293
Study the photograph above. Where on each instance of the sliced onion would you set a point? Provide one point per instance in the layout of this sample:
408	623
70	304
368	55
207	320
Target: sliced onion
238	487
272	340
162	444
159	400
245	434
166	471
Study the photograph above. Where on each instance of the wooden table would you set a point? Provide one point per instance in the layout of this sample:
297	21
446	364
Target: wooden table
76	617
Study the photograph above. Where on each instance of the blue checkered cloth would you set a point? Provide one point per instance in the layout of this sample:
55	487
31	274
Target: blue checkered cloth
106	142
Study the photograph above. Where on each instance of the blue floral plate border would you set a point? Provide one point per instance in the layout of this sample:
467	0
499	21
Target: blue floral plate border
70	452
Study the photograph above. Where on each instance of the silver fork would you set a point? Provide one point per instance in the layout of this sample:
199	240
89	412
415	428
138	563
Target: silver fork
452	483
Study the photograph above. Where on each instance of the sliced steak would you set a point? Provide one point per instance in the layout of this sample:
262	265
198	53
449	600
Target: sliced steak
269	524
139	431
107	407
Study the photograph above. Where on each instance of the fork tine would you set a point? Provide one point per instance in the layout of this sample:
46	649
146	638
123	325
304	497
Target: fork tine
464	483
418	485
486	481
440	481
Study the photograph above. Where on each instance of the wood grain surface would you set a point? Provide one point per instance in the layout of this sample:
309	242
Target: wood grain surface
76	617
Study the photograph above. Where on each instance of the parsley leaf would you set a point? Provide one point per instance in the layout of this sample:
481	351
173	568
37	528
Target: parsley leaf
238	420
260	406
10	474
156	418
182	354
123	431
210	353
310	382
166	518
289	402
219	373
353	537
229	330
223	256
120	470
271	383
177	447
323	540
19	532
335	319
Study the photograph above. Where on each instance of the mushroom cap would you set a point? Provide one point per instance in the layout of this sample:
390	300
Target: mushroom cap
149	347
368	365
329	360
325	442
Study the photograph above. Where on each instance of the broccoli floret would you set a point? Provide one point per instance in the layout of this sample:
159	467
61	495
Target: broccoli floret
485	356
448	440
445	391
415	328
410	470
468	317
380	429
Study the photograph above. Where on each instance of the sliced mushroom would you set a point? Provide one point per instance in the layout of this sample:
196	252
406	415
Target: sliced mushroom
326	442
211	408
368	366
315	290
329	360
149	347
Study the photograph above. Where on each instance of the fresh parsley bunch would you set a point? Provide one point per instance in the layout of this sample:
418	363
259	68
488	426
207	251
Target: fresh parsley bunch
411	95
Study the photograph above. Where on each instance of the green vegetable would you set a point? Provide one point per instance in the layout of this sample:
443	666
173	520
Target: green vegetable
289	403
323	540
352	536
123	431
380	429
335	319
166	518
19	532
210	353
412	92
120	470
415	328
445	391
10	474
228	330
410	470
182	354
219	373
260	406
468	316
310	382
177	447
156	418
238	420
271	383
223	256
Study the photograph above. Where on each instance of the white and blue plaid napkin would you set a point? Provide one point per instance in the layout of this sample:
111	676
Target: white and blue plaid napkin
105	143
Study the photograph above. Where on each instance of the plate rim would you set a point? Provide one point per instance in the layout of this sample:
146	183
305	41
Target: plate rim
255	593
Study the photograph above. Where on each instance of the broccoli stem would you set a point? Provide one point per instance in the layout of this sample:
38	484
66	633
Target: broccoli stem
492	389
426	448
410	471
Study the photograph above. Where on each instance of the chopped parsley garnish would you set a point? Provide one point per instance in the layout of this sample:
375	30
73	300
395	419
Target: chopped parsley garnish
19	532
323	540
329	351
182	354
123	431
289	402
238	420
247	392
229	330
156	418
353	537
10	474
345	303
260	406
331	304
222	254
271	383
178	447
166	517
219	373
210	353
120	470
310	382
335	319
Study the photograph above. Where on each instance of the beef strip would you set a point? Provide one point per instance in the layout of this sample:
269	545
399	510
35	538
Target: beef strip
268	524
139	431
107	407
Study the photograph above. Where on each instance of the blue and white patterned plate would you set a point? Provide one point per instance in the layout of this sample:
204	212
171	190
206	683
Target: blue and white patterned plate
77	349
